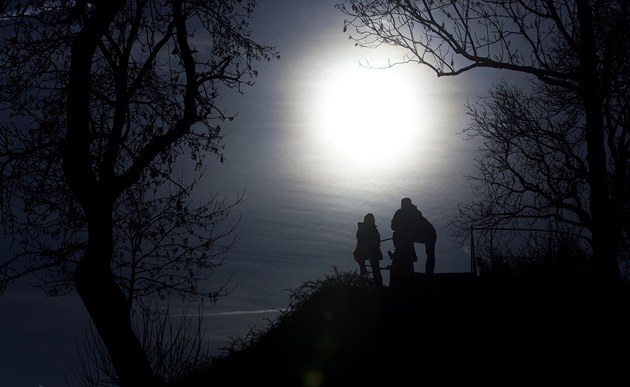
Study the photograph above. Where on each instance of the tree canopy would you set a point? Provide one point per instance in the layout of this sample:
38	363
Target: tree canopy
102	99
577	52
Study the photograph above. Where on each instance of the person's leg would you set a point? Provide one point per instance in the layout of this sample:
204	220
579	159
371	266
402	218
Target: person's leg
376	273
362	268
403	260
430	250
413	257
411	248
400	272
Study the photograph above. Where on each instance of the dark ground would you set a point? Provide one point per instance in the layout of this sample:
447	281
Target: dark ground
441	330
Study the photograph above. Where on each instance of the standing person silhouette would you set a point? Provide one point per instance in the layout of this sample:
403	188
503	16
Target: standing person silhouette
411	227
369	247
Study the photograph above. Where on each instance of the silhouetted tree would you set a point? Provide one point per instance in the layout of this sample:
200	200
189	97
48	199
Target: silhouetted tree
579	48
175	344
166	245
100	101
531	164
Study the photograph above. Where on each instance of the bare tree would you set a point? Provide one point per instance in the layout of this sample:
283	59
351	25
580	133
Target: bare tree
102	99
175	344
531	164
579	47
166	245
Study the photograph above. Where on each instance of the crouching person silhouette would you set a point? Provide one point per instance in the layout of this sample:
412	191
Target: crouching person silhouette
369	248
411	227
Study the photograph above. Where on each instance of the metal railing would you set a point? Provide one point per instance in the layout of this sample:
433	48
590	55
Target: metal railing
491	243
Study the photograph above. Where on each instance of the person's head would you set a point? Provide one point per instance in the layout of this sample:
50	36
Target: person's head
405	203
369	219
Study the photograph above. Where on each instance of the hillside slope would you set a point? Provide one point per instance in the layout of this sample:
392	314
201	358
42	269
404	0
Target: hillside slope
448	327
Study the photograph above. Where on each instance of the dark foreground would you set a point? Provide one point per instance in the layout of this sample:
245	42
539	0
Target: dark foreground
450	328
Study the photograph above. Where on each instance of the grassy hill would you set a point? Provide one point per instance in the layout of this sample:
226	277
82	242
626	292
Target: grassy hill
339	331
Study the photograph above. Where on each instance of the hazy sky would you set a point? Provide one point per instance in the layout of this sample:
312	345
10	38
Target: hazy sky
318	142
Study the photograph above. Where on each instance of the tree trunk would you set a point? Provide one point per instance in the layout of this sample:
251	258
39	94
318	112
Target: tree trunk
604	231
103	299
107	305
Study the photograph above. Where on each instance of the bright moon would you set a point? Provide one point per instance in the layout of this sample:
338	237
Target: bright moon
368	116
